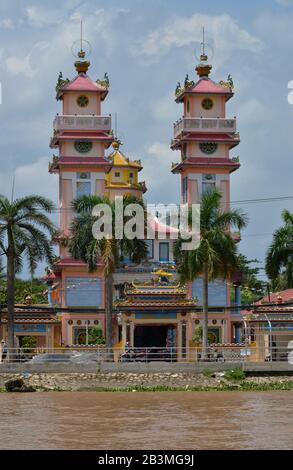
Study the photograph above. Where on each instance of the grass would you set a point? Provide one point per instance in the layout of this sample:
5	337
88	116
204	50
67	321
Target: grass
207	372
240	386
235	374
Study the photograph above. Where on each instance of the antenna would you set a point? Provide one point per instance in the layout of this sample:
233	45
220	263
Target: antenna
12	189
115	130
203	41
81	35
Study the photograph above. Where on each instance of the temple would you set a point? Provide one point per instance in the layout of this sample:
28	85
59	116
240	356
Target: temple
151	307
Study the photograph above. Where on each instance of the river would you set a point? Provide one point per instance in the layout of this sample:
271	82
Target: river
139	420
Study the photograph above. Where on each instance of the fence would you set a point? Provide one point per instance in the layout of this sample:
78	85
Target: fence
86	355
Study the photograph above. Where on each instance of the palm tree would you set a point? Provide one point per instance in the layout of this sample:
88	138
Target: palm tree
279	257
216	255
84	246
24	230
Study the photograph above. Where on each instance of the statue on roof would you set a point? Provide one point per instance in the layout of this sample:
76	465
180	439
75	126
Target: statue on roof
187	82
105	82
230	81
61	81
227	83
178	89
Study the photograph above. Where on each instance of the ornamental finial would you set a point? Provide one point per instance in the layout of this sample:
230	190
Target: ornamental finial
116	144
81	64
203	69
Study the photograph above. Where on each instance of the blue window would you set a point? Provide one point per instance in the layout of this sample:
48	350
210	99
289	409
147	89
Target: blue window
164	251
217	292
83	184
83	292
150	247
208	182
83	188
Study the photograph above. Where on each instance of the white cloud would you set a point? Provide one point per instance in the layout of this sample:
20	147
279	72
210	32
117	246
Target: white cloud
186	31
40	16
16	66
23	65
6	23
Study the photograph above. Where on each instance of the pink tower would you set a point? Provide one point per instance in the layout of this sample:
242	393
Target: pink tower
81	135
205	136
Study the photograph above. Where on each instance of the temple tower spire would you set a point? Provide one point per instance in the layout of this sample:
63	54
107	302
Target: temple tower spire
204	137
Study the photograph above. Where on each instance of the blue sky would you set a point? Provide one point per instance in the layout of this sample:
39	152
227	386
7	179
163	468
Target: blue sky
147	47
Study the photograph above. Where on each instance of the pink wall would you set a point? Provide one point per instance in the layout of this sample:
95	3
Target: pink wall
70	105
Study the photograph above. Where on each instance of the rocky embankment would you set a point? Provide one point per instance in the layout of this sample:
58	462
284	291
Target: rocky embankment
127	381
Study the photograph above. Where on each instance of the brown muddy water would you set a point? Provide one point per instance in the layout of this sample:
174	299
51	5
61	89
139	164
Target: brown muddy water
161	420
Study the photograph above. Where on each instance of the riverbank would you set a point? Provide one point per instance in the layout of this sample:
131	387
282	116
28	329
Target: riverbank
153	382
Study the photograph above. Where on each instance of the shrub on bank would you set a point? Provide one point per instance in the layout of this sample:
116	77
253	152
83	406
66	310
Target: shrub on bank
235	374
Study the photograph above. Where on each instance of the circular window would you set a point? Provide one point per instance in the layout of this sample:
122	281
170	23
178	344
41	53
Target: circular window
196	322
82	101
78	322
208	147
207	103
214	322
96	322
83	147
70	322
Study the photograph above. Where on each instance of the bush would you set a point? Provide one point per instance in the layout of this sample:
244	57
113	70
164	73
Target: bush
207	372
235	374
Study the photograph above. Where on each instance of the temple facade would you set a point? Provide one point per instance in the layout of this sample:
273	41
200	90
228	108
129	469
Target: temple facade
148	311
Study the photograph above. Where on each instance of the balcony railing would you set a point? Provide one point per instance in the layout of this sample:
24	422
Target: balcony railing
82	122
204	124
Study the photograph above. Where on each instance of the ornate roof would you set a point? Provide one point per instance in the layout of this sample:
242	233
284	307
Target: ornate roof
70	135
157	294
204	86
37	314
82	83
217	162
119	159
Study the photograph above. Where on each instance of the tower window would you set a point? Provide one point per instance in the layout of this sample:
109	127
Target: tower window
82	101
208	182
207	103
83	146
83	184
164	252
187	106
117	174
150	248
208	147
83	189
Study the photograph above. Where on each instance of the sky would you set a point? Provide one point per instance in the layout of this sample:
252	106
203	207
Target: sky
146	48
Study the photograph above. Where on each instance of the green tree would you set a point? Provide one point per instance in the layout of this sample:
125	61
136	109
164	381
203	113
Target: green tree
110	250
25	233
279	257
34	288
252	288
216	255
